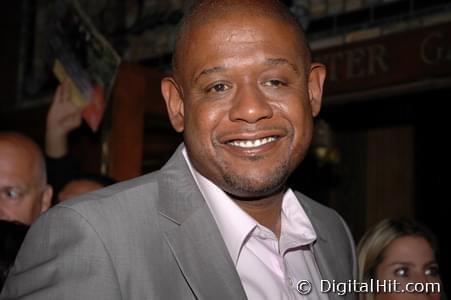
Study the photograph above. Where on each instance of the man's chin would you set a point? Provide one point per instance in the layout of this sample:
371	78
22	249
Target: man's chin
251	189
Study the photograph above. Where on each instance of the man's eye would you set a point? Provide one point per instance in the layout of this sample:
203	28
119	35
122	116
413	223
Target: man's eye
218	88
11	193
402	272
274	83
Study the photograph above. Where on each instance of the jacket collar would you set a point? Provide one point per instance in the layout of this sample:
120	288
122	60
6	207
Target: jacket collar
193	237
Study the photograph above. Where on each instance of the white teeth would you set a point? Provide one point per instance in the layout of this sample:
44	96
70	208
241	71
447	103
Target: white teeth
252	143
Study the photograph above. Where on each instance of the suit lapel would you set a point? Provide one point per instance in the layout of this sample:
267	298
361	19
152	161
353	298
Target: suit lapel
202	257
193	236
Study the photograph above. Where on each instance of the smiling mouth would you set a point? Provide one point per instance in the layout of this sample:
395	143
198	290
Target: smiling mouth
252	143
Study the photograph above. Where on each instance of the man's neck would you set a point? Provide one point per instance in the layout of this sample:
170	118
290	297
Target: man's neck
265	211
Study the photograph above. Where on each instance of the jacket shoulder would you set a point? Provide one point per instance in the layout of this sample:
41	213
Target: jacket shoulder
136	193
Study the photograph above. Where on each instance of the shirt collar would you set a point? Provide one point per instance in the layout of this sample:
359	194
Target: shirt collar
236	225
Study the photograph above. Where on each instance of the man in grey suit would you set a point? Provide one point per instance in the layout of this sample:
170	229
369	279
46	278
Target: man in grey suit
217	221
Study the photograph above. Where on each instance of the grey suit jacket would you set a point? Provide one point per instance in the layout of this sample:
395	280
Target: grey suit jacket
150	238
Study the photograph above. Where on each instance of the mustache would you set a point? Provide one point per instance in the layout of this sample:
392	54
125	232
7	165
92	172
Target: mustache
252	131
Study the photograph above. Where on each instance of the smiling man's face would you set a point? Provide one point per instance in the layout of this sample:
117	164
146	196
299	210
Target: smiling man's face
245	97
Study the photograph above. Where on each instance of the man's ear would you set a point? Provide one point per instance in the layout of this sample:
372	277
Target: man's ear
315	86
174	102
46	200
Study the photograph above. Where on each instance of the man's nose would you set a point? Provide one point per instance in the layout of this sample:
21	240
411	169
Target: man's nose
250	105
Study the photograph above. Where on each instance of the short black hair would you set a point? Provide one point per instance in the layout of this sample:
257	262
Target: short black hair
196	12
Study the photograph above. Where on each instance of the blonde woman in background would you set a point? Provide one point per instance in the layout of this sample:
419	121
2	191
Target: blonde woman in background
402	254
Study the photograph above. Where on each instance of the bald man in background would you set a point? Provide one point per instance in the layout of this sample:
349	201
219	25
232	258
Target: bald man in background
24	192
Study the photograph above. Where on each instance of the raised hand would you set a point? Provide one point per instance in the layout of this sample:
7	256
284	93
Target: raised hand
62	117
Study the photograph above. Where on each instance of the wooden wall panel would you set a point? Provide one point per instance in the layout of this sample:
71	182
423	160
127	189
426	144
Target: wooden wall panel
390	173
138	112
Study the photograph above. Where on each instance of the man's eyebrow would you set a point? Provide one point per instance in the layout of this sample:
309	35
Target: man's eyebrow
281	61
269	61
210	71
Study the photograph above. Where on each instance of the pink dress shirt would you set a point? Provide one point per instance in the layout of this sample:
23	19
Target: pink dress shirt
268	268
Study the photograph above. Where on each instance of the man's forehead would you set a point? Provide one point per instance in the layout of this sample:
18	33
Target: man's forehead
237	14
244	35
238	22
17	159
15	163
234	28
10	149
245	32
13	175
226	36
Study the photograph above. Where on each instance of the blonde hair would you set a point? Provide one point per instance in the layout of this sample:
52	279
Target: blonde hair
371	247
